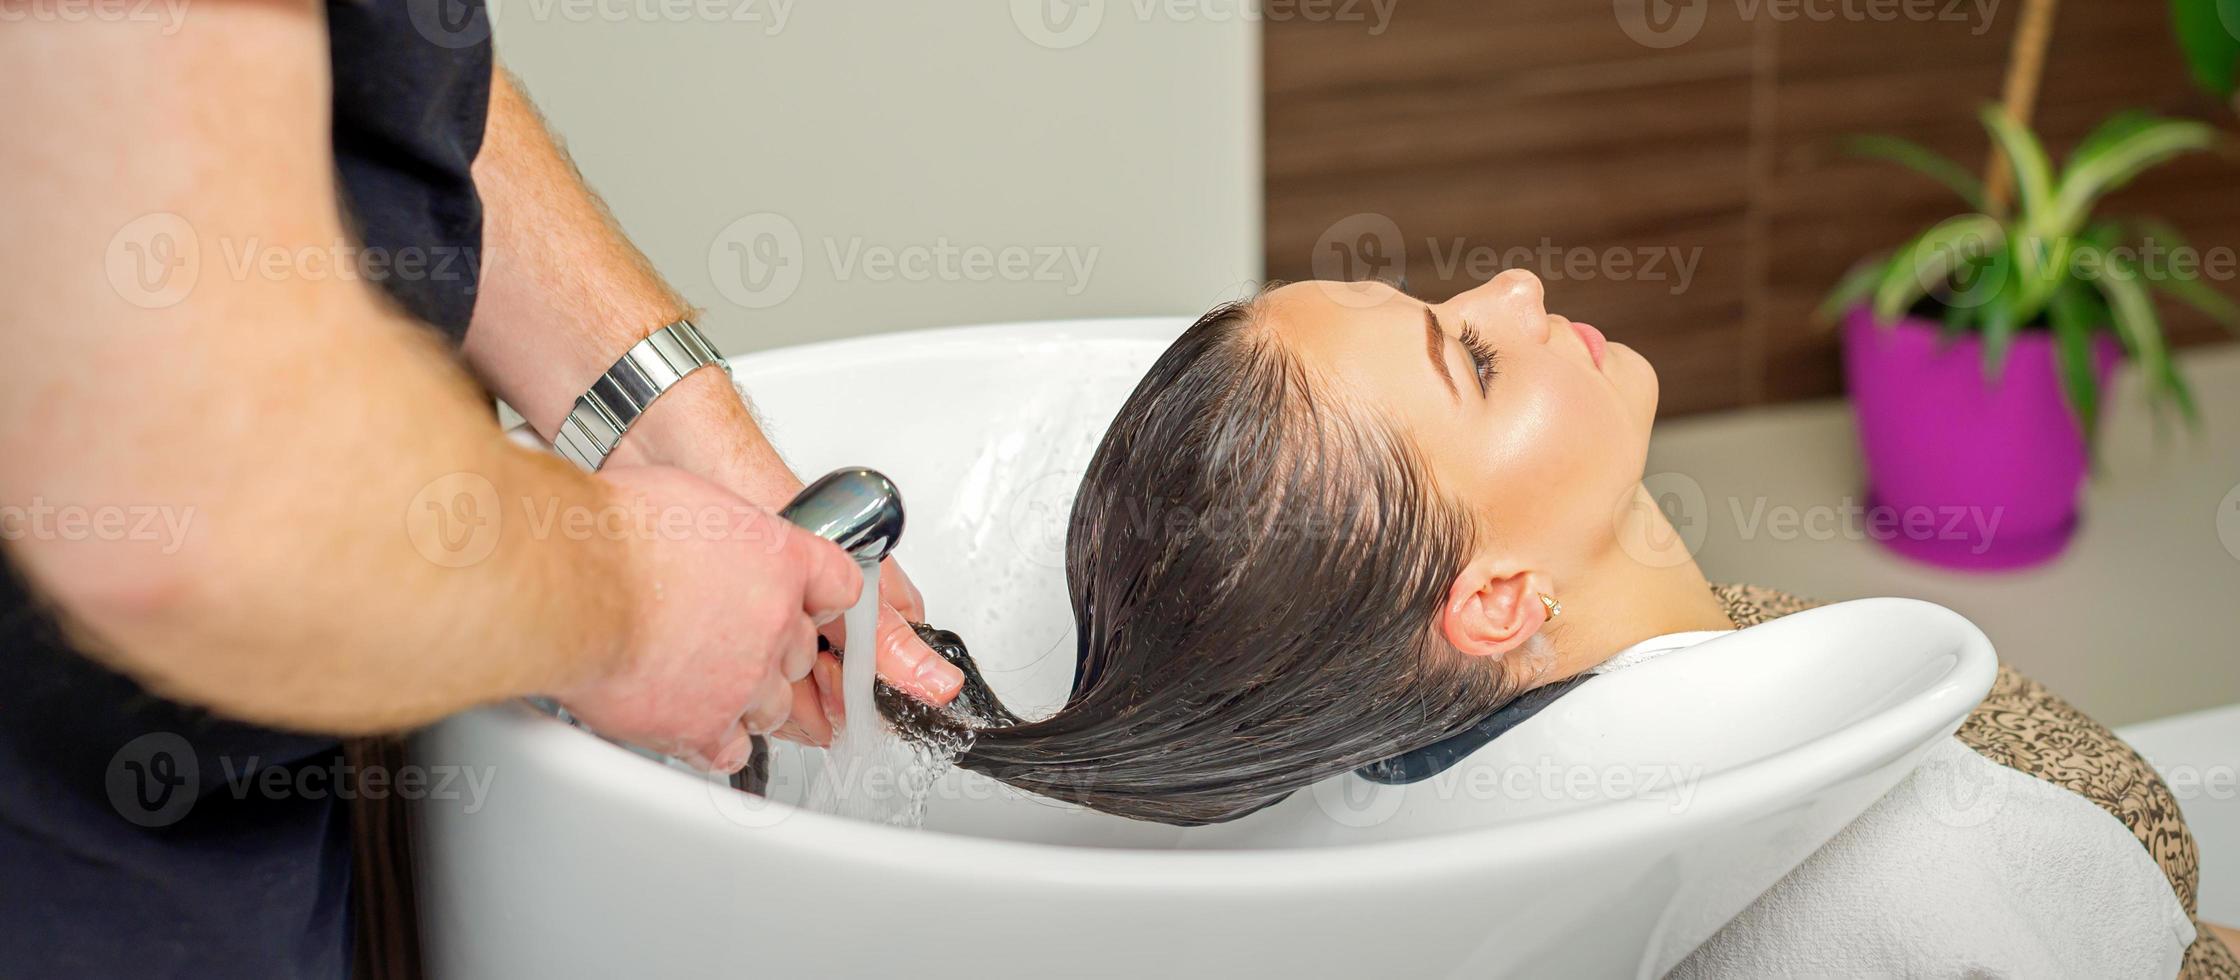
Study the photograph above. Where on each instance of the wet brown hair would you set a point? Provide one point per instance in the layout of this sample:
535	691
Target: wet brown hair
1256	567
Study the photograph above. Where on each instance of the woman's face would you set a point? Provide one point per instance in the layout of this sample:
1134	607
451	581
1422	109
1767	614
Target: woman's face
1536	423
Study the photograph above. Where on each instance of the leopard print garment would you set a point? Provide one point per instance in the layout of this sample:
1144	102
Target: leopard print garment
2025	727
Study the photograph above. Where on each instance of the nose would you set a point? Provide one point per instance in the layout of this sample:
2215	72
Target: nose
1519	284
1514	296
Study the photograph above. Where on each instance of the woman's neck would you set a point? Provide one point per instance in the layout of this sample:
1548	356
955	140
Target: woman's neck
1645	584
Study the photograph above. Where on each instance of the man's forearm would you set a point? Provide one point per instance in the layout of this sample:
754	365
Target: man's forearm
293	426
350	567
564	293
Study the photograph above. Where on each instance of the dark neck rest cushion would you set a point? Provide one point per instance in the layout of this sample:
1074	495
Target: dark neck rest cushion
1438	757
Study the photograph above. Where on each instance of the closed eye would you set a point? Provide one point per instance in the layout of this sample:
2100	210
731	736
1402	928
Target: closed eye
1484	360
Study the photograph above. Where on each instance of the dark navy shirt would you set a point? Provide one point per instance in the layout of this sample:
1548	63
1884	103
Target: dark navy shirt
143	838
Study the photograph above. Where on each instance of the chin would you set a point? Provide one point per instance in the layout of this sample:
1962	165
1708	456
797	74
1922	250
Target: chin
1636	381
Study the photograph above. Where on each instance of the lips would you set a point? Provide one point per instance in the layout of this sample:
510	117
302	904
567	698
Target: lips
1597	346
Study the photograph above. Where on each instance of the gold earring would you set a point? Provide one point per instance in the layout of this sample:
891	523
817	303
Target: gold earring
1554	608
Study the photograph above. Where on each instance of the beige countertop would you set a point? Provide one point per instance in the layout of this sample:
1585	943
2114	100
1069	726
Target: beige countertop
2139	619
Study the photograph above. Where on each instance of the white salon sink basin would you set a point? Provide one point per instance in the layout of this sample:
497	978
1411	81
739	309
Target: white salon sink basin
1606	836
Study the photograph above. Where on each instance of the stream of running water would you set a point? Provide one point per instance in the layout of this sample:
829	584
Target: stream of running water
869	772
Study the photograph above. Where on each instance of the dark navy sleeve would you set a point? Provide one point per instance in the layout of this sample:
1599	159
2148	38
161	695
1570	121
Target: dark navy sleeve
411	95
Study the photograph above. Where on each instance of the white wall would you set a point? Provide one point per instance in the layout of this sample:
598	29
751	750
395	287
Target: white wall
767	154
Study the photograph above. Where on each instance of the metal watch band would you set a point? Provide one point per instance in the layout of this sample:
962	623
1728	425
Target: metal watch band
616	400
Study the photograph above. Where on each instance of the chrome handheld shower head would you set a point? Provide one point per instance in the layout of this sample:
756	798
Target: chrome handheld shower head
856	508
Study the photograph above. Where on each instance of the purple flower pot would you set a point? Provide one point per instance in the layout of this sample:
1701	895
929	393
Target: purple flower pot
1962	471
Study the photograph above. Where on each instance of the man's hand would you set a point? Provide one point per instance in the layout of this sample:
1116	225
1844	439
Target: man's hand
819	706
727	599
564	293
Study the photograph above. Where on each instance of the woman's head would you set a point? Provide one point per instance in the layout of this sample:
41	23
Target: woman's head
1314	537
1533	424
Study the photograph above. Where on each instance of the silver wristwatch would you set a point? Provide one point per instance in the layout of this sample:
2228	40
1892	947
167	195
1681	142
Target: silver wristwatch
616	400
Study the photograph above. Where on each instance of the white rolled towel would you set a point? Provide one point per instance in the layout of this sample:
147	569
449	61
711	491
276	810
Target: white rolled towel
1967	869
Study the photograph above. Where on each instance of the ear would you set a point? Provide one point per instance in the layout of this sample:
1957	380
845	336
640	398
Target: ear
1491	610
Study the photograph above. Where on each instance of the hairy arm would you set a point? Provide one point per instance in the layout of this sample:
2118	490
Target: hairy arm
310	441
564	293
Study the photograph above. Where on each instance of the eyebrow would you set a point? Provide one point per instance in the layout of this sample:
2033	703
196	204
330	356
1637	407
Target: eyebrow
1435	348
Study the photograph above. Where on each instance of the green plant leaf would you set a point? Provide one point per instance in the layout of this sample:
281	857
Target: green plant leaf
2181	393
2148	228
2136	323
1927	162
2033	172
2212	48
1957	320
2048	264
1852	289
2114	163
2111	130
1998	335
2131	311
2102	235
2194	293
2075	316
1924	263
2034	228
2191	291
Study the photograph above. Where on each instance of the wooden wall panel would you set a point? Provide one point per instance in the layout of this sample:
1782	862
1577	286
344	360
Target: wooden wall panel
1542	121
1478	128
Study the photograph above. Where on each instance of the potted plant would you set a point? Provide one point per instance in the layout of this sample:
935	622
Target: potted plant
1977	352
